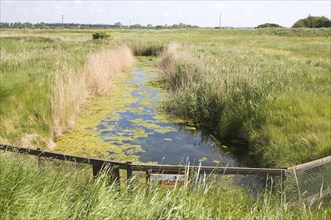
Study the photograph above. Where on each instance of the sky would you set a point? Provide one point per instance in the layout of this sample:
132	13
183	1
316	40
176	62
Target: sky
201	13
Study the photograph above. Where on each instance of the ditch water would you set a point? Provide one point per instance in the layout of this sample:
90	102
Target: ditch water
130	125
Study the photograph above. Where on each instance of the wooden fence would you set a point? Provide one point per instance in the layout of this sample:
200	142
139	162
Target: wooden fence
99	165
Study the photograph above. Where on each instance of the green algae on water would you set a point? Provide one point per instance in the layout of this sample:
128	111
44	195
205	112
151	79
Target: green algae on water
129	124
84	138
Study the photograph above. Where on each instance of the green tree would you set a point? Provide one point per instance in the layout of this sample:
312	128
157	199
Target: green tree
313	22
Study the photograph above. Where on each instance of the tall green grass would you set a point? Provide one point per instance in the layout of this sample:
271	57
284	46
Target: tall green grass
44	81
278	105
64	192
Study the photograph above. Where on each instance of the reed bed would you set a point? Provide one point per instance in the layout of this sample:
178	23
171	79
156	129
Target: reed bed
73	88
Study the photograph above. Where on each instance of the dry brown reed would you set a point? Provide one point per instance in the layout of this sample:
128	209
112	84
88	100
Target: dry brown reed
73	88
34	141
167	58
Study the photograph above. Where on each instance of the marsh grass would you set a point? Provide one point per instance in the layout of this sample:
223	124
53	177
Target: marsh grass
271	103
72	89
25	88
44	82
268	88
64	192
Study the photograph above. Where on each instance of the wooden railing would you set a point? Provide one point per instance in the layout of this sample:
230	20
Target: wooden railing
99	165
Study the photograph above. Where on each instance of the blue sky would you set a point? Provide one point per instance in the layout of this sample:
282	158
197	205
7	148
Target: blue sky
202	13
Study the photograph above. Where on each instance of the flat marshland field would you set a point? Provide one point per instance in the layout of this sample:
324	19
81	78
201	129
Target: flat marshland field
268	89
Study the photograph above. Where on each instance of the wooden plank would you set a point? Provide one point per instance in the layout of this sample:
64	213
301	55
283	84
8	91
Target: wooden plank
311	164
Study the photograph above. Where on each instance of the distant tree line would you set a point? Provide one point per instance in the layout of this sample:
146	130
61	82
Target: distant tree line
42	25
309	22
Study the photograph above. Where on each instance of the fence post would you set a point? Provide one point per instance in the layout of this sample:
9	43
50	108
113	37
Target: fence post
128	176
99	166
116	174
128	170
96	166
148	173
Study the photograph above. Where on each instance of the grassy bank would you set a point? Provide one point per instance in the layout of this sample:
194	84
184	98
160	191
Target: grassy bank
277	101
44	81
67	191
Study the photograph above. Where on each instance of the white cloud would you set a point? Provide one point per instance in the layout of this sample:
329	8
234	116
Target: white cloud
93	4
218	6
139	2
58	6
100	10
248	13
178	9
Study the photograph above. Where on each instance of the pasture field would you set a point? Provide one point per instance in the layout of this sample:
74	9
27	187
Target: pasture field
267	89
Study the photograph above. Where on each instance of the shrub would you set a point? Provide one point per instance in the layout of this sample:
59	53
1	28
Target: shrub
269	25
102	35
